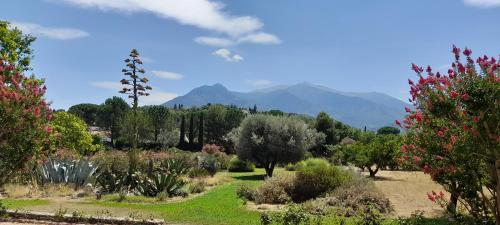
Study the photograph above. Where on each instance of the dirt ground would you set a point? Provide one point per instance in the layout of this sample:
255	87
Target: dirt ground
408	192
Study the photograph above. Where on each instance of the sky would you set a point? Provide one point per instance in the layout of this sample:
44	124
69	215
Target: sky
348	45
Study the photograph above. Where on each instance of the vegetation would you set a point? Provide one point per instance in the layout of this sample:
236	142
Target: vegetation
15	47
269	140
453	132
70	132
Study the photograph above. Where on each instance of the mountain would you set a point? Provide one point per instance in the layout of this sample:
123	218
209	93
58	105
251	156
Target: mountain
372	109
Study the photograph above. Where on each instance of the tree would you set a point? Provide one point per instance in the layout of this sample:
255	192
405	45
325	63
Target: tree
182	134
159	117
200	130
388	130
269	140
219	121
110	116
88	112
375	154
15	47
325	124
24	118
191	129
139	133
453	132
134	87
70	132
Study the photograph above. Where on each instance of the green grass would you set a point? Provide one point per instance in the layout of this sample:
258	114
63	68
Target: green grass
219	206
20	203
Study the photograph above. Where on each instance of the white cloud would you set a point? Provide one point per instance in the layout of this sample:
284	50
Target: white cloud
58	33
167	75
483	3
259	83
260	38
157	97
214	41
205	14
227	55
110	85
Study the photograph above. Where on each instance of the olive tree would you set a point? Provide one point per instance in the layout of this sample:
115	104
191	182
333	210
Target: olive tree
268	140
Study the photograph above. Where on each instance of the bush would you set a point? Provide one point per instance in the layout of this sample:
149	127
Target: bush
246	192
113	167
354	199
198	172
197	186
222	160
209	163
294	166
317	177
276	190
238	165
211	149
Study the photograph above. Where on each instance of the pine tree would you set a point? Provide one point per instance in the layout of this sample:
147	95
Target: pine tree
191	130
200	130
183	131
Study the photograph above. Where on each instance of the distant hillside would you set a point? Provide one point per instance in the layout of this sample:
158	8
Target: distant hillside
373	110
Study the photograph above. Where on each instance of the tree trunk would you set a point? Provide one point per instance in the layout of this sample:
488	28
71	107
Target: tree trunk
373	172
497	171
452	205
269	169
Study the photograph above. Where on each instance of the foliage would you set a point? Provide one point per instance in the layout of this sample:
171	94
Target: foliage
112	169
65	171
87	112
24	117
71	132
198	172
276	190
246	192
15	46
238	165
197	186
160	119
142	125
110	116
157	183
454	131
268	140
220	120
211	149
293	215
209	163
380	152
317	177
388	130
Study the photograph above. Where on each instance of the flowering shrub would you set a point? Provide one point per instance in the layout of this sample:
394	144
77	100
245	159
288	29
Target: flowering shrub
211	149
24	117
453	133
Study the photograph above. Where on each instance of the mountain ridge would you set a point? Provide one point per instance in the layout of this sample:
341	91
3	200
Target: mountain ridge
358	109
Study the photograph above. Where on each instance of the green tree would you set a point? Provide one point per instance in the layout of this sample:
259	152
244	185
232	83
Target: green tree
71	132
388	130
160	119
110	116
219	121
136	134
191	129
269	140
201	130
325	124
88	112
15	46
182	134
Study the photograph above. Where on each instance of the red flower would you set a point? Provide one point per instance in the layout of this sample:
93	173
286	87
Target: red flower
417	159
475	119
467	52
453	94
431	197
465	97
419	116
440	133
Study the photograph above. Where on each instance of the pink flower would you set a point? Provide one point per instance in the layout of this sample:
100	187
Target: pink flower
398	122
431	197
439	158
456	51
465	97
440	133
407	109
419	117
467	52
453	94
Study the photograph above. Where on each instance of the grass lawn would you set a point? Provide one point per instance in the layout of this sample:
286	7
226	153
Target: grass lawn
218	206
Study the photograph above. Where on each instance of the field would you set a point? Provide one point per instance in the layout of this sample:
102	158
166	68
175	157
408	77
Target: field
220	205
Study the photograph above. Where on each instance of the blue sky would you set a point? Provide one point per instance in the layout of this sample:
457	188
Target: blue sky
349	45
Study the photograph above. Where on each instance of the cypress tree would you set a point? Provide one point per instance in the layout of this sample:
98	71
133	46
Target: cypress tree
182	134
191	129
200	130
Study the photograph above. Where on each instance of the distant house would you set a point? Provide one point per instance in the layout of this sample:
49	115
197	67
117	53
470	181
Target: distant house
347	141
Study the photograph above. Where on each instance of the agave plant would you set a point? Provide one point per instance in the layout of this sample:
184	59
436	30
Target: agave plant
157	183
66	171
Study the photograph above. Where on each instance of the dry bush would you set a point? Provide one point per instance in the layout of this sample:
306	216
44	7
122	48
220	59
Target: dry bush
20	191
276	190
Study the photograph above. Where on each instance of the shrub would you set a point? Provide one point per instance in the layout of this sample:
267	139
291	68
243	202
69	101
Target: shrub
246	192
113	167
276	189
211	149
294	166
222	160
75	172
317	177
198	172
197	186
238	165
353	199
157	183
209	163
